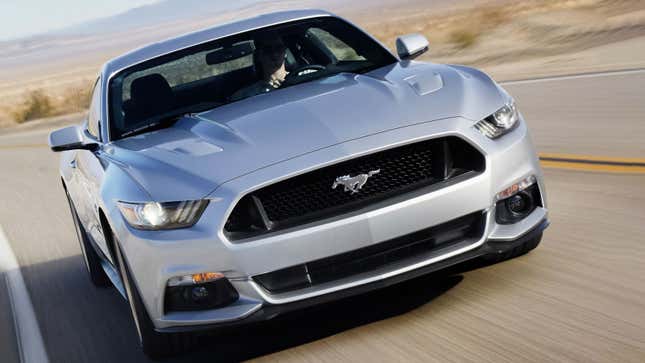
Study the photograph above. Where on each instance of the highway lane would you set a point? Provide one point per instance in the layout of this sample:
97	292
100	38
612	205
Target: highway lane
578	297
600	115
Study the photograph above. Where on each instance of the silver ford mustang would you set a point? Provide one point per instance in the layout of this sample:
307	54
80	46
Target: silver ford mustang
233	174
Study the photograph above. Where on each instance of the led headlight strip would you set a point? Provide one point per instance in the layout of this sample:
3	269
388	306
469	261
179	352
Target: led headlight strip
499	123
156	216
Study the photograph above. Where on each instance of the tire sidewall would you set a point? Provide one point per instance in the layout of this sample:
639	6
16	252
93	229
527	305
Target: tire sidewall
90	257
154	344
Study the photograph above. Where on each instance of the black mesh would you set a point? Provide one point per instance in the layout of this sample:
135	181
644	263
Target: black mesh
402	168
310	196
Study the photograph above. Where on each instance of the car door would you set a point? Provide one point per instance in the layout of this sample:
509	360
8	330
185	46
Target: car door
90	172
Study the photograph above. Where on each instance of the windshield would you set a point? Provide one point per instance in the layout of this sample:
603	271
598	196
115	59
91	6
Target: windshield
227	70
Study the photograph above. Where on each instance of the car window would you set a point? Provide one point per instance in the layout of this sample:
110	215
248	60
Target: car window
189	69
151	94
94	114
337	47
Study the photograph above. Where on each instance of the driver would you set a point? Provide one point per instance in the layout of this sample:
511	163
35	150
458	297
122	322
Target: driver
269	62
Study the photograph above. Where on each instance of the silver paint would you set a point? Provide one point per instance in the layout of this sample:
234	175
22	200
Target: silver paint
228	152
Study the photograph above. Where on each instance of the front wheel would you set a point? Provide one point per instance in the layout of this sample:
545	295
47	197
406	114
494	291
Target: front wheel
90	256
155	345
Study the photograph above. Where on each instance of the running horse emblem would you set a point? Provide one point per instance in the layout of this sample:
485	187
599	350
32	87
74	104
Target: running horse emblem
354	184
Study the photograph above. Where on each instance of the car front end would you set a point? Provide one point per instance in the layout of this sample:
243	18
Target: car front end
281	237
212	193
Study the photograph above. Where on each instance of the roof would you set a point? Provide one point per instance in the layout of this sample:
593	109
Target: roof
201	36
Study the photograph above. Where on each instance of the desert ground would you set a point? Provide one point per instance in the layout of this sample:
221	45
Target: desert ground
508	39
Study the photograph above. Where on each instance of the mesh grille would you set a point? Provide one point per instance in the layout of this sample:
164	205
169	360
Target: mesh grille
310	196
399	169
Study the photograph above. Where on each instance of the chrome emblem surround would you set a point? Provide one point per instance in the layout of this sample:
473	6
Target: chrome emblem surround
354	184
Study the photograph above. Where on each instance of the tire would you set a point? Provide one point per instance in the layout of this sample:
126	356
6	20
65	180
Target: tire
517	251
155	345
90	256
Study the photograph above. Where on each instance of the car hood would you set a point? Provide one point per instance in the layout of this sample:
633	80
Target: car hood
202	151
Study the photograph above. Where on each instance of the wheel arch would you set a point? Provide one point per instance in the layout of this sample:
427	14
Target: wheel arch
107	234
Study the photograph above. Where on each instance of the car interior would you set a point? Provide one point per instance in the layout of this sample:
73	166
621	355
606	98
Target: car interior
206	76
152	95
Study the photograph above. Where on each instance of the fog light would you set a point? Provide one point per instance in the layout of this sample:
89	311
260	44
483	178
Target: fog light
208	290
199	293
519	203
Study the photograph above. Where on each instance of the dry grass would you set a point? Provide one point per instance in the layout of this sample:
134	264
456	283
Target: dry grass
40	104
455	31
464	38
481	36
76	99
482	20
36	105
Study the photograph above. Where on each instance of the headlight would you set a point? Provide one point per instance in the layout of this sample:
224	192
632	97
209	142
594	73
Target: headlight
156	216
499	123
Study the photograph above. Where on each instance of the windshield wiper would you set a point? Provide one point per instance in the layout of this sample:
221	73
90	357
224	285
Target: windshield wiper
158	123
360	67
167	119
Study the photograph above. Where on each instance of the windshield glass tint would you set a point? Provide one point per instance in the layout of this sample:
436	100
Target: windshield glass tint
238	67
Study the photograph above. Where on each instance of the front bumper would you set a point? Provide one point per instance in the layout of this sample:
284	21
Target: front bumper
156	257
271	311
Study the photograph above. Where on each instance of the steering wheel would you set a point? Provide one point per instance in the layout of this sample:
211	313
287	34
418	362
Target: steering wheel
302	71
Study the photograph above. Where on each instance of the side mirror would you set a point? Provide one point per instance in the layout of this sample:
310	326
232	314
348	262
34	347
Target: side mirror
70	138
411	46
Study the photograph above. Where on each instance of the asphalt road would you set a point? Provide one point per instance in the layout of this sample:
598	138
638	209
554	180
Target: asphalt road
579	297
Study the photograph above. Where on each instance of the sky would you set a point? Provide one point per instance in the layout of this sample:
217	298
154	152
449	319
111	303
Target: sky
21	18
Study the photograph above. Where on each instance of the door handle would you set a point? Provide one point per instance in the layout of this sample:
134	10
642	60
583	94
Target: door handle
72	164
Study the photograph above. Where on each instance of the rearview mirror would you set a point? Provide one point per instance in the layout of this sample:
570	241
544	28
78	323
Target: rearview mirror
227	54
70	138
411	46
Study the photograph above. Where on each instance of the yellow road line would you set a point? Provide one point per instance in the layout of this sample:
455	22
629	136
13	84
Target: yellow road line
594	167
604	159
593	163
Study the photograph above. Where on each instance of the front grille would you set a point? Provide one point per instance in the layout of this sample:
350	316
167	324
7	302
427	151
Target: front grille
310	196
421	243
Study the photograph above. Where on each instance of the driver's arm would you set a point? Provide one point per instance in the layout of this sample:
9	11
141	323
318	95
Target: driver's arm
251	90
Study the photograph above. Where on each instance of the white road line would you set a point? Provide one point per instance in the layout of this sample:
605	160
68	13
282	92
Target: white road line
30	341
574	76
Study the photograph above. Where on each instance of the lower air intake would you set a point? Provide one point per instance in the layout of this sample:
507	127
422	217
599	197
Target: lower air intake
421	243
